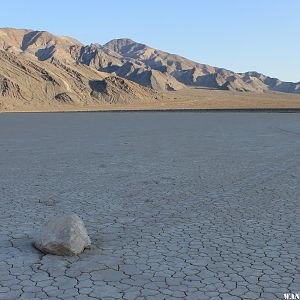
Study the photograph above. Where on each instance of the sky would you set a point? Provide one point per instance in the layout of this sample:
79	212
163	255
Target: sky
240	35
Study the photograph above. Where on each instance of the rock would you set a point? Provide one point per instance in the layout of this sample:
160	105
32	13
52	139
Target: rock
63	235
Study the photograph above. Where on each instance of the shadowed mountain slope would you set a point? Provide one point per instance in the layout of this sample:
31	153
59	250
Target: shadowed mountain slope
27	82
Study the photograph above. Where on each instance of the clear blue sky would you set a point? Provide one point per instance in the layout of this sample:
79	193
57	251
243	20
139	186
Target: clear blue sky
241	35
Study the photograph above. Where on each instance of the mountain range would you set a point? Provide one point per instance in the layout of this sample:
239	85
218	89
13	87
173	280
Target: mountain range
39	66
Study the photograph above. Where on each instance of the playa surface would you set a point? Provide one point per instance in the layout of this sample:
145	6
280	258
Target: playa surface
178	204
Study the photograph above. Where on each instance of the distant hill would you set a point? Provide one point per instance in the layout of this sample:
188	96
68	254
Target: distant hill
191	73
40	65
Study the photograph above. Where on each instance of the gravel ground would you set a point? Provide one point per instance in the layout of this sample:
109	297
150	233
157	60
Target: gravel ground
180	205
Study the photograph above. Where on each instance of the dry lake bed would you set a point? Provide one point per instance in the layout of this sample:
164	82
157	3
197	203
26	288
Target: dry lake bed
178	205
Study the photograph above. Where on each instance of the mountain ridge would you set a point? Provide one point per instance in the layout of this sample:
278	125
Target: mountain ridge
78	71
175	70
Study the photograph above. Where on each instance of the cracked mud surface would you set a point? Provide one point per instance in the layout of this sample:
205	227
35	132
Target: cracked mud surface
178	205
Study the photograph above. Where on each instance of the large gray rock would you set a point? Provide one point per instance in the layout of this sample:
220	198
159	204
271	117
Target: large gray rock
63	235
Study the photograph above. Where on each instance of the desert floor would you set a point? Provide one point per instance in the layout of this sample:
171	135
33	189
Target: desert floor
181	205
189	98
